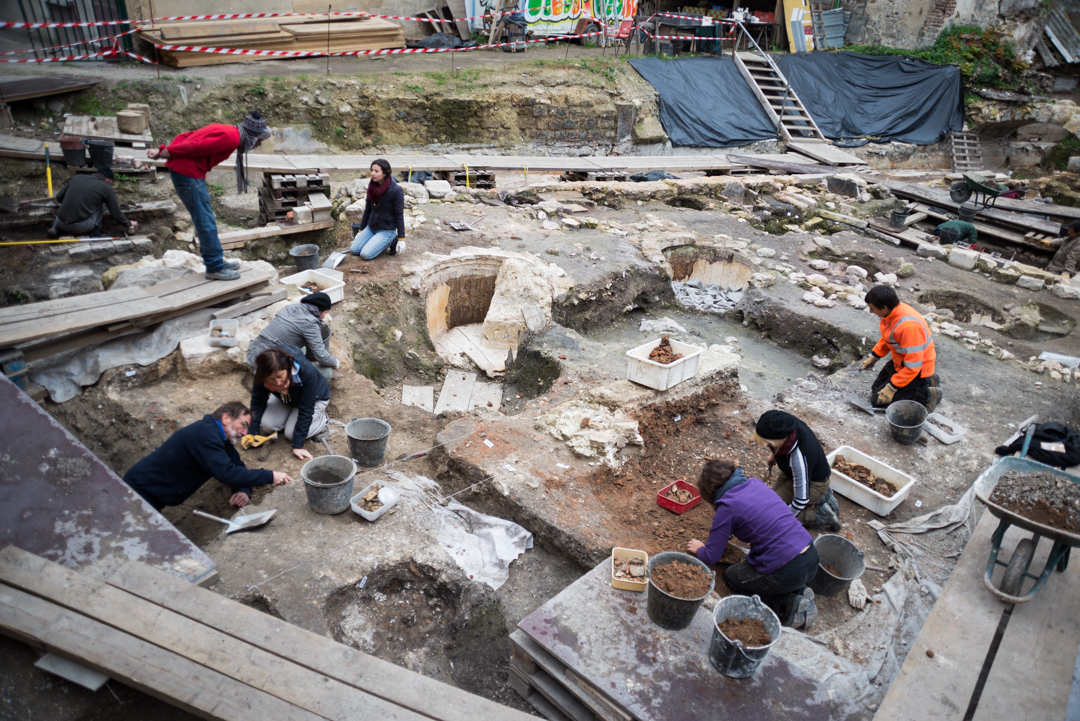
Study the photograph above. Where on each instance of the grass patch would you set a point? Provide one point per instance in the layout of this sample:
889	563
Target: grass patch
1058	156
418	89
216	190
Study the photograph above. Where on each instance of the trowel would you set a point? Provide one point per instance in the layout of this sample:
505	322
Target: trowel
241	523
856	400
463	226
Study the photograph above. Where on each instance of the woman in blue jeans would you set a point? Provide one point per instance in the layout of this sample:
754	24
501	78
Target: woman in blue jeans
383	224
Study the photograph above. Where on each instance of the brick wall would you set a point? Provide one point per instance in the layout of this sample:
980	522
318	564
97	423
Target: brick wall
936	18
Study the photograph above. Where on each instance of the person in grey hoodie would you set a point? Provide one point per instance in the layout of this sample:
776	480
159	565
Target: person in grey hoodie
298	325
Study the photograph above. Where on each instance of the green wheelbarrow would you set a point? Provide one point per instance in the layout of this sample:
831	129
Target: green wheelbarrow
1016	568
985	191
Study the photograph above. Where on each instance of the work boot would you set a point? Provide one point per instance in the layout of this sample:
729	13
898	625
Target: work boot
802	611
827	516
232	265
933	400
223	274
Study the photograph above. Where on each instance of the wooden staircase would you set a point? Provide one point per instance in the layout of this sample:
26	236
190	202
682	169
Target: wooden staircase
787	112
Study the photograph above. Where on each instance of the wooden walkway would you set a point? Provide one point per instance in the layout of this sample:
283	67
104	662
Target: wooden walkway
212	656
95	317
1030	675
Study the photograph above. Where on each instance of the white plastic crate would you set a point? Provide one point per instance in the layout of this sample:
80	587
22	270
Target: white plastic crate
388	495
332	282
867	497
656	375
230	326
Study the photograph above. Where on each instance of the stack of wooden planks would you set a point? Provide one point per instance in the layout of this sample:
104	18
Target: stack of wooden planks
74	322
301	33
209	655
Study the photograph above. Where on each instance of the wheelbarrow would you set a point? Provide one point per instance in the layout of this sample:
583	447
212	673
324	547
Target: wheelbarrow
986	191
1016	569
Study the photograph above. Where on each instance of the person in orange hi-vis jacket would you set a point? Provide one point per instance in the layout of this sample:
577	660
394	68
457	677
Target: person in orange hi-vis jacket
909	375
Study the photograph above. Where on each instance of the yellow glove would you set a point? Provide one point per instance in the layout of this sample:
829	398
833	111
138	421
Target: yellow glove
250	441
885	395
869	363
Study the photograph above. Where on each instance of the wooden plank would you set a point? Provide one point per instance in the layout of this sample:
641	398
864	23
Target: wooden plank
828	154
234	311
486	397
261	670
238	238
940	197
98	127
141	665
215	29
456	392
457	9
994	231
334	660
601	706
350	28
419	396
783	166
47	308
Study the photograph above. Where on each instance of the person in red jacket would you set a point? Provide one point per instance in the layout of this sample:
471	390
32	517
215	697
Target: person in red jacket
189	157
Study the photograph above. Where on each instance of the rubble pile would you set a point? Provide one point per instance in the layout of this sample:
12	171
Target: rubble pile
710	297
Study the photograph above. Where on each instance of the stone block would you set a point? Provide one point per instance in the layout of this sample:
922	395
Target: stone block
1066	291
1004	275
906	270
823	243
73	280
517	285
649	130
102	249
766	252
842	186
964	259
735	192
1029	283
416	191
822	265
856	271
438	188
302	214
1073	125
928	250
143	245
1074	164
816	279
81	252
987	263
122	246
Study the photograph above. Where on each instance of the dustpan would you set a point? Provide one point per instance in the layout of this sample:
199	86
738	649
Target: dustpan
241	523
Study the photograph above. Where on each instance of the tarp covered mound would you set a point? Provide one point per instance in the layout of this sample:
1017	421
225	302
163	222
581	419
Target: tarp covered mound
707	102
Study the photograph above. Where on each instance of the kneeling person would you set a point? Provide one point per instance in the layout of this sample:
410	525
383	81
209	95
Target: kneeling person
83	203
192	455
289	394
909	375
782	556
804	469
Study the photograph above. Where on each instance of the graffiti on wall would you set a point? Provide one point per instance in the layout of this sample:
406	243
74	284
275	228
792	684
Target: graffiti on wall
556	10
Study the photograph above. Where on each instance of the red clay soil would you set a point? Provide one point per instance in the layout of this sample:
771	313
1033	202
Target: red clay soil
750	632
663	354
833	570
682	580
863	475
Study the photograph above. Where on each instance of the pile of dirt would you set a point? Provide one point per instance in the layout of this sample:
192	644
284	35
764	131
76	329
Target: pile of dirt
750	632
682	580
663	354
863	475
679	495
1041	497
833	570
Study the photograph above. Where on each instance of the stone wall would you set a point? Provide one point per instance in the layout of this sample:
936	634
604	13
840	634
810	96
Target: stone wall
917	23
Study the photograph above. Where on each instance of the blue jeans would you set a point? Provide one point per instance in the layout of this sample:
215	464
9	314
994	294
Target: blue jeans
368	243
196	198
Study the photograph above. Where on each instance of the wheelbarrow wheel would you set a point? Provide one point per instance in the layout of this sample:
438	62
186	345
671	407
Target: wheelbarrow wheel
1018	565
960	192
1063	562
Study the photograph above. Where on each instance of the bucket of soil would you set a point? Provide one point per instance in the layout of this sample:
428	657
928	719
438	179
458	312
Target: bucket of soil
839	563
906	420
329	483
367	440
744	629
678	585
306	256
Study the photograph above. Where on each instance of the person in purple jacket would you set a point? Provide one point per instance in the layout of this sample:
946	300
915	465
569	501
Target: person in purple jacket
782	556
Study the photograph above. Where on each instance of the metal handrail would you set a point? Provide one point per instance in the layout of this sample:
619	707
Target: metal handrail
775	68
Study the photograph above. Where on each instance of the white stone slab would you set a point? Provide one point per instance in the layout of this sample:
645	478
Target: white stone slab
485	393
456	392
71	671
419	396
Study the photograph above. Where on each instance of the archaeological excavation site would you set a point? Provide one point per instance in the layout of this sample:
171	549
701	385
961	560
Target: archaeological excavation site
638	362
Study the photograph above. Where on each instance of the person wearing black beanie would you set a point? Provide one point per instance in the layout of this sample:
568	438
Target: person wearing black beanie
804	470
300	325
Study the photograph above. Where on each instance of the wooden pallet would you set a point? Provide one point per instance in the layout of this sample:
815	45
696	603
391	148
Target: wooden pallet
209	655
966	152
293	181
475	179
612	176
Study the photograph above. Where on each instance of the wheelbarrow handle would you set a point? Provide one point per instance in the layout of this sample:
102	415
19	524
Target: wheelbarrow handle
1027	440
212	518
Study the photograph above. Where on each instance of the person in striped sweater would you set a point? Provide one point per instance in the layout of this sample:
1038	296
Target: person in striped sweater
804	470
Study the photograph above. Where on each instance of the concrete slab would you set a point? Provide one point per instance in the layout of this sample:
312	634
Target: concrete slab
456	392
605	636
486	397
59	501
419	396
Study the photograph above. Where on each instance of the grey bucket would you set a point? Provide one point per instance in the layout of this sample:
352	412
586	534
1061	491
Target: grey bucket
367	440
967	212
328	481
897	218
306	256
672	612
906	420
101	153
841	554
729	657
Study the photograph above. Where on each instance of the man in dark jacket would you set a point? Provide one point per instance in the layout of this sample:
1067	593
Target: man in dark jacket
383	223
805	471
172	473
289	394
83	203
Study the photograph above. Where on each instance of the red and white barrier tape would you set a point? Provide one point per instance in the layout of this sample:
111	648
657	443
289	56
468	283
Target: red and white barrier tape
71	45
67	25
107	53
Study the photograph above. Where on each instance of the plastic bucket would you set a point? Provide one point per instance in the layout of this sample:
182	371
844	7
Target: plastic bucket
897	218
841	554
967	212
328	481
74	150
730	657
306	257
672	612
367	440
906	420
101	153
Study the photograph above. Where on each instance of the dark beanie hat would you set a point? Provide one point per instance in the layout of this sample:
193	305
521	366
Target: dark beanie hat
105	172
319	300
774	426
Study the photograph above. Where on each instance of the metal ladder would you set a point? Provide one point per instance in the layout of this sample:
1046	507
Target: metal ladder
783	106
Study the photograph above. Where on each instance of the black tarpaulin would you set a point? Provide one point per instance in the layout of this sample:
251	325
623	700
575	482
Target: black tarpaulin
707	102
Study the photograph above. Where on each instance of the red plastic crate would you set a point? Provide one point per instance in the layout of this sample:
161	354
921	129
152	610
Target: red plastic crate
679	508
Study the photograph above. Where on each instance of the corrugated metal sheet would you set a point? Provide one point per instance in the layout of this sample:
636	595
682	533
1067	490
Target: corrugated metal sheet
1062	33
